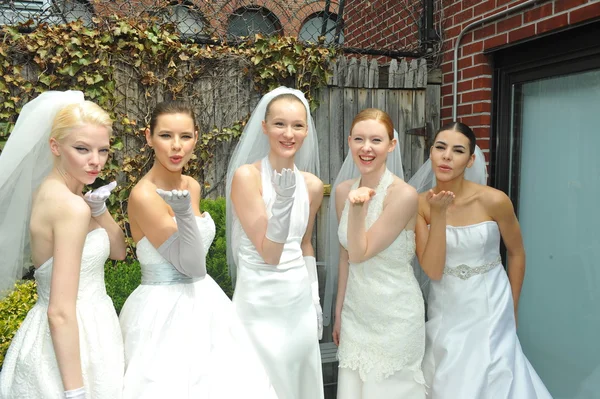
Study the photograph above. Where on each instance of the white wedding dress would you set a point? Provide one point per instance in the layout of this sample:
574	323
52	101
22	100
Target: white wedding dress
183	338
472	349
382	335
30	369
274	302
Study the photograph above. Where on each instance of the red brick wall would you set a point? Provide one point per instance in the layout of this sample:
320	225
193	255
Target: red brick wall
291	14
474	69
382	24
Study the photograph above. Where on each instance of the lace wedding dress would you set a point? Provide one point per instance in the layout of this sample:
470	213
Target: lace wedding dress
383	318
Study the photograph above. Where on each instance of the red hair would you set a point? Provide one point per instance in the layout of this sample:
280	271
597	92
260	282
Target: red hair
382	117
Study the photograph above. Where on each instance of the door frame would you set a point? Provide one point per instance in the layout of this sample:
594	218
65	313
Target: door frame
572	51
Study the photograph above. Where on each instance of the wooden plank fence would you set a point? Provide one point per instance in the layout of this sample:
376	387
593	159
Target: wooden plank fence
222	95
399	88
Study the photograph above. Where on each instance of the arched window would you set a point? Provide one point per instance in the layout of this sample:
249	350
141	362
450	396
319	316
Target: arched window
312	29
248	21
188	19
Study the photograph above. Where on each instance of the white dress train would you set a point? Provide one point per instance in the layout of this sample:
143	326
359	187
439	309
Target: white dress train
30	369
472	349
183	338
275	305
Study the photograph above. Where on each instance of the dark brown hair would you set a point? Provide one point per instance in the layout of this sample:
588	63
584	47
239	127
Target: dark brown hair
168	108
460	128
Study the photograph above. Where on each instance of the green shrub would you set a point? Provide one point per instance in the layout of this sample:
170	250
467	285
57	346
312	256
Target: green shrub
121	278
13	309
216	259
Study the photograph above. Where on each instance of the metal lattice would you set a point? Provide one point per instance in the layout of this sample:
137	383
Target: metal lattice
376	27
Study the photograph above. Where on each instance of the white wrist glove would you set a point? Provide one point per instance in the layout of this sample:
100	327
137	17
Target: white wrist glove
311	266
78	393
96	199
184	249
278	226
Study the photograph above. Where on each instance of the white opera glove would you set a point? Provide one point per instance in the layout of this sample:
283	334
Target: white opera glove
184	249
78	393
311	267
96	199
278	226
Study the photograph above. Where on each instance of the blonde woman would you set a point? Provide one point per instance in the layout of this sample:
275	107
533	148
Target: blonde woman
70	343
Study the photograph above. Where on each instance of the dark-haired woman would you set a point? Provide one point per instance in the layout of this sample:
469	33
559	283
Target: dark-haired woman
181	333
472	349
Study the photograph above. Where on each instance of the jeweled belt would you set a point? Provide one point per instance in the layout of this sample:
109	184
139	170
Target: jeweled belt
465	272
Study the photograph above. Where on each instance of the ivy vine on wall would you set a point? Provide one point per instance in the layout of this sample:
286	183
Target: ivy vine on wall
127	66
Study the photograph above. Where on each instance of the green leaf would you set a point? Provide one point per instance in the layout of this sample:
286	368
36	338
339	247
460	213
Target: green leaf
123	194
70	69
46	79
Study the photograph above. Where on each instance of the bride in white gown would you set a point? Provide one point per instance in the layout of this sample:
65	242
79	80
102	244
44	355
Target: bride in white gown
272	203
181	333
472	349
379	314
69	345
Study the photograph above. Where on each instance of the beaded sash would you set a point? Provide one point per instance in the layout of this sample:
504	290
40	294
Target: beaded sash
465	272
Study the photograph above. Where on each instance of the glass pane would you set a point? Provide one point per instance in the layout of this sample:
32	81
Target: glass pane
251	22
75	9
559	193
189	22
20	11
312	29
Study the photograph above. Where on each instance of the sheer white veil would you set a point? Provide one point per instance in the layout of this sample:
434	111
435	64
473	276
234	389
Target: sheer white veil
254	145
347	171
424	180
25	161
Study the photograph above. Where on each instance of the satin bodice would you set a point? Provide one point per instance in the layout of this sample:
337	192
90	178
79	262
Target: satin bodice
244	251
472	249
156	270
